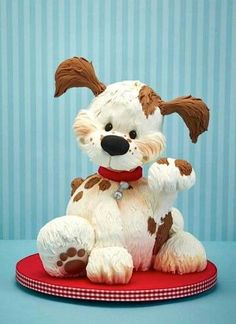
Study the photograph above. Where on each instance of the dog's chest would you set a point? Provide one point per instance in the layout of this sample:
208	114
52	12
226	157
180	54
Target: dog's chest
135	200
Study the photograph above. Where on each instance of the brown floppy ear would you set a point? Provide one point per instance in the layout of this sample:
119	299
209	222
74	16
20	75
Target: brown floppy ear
77	72
193	111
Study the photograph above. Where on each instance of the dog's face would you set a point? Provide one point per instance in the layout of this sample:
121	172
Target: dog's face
122	127
116	133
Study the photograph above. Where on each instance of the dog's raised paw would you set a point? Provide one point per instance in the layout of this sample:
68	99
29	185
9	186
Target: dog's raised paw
170	175
73	261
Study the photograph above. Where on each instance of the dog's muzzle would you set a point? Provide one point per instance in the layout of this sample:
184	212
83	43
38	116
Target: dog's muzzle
114	145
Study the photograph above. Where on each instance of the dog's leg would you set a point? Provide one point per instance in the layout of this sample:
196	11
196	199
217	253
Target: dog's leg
165	178
109	261
176	250
64	245
181	253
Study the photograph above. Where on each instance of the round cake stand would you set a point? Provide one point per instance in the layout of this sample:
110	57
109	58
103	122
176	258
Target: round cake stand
143	286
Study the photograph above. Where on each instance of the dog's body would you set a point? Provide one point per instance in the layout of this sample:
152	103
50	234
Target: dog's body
116	219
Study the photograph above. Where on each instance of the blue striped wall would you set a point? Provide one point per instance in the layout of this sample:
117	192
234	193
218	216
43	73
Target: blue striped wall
177	47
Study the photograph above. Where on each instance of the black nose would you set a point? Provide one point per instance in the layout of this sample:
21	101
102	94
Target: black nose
115	145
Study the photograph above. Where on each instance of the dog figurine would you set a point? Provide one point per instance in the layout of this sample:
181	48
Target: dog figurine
118	221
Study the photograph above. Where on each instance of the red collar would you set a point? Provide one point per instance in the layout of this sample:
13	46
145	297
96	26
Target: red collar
119	176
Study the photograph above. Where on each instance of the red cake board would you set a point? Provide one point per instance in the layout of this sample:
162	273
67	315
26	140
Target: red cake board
143	286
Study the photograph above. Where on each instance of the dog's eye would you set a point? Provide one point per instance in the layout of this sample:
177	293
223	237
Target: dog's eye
108	127
132	134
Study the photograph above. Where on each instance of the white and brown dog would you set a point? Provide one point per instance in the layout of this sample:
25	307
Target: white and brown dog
117	220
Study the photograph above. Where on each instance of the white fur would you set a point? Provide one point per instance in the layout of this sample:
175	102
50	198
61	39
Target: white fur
115	233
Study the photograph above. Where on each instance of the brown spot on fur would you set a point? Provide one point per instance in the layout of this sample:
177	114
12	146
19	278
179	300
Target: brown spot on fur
184	167
59	263
91	182
151	225
77	72
104	185
78	196
75	184
162	233
130	187
149	100
163	161
193	111
129	140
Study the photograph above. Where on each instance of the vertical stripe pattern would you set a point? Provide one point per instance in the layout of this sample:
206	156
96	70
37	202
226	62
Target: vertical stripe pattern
177	47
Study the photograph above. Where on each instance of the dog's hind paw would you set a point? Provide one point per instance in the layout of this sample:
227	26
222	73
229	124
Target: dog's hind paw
182	253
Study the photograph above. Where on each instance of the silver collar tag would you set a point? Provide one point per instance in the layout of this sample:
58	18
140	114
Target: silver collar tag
118	194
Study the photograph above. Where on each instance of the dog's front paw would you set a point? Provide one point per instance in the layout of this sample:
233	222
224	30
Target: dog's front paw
171	175
110	265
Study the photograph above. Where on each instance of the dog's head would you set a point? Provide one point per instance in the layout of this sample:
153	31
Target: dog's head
122	127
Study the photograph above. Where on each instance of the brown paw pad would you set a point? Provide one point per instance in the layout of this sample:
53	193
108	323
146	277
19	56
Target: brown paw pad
73	261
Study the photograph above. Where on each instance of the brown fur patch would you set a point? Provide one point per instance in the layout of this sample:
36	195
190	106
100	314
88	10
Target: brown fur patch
104	185
75	184
77	72
163	161
193	111
91	182
162	233
151	225
149	100
78	196
184	167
